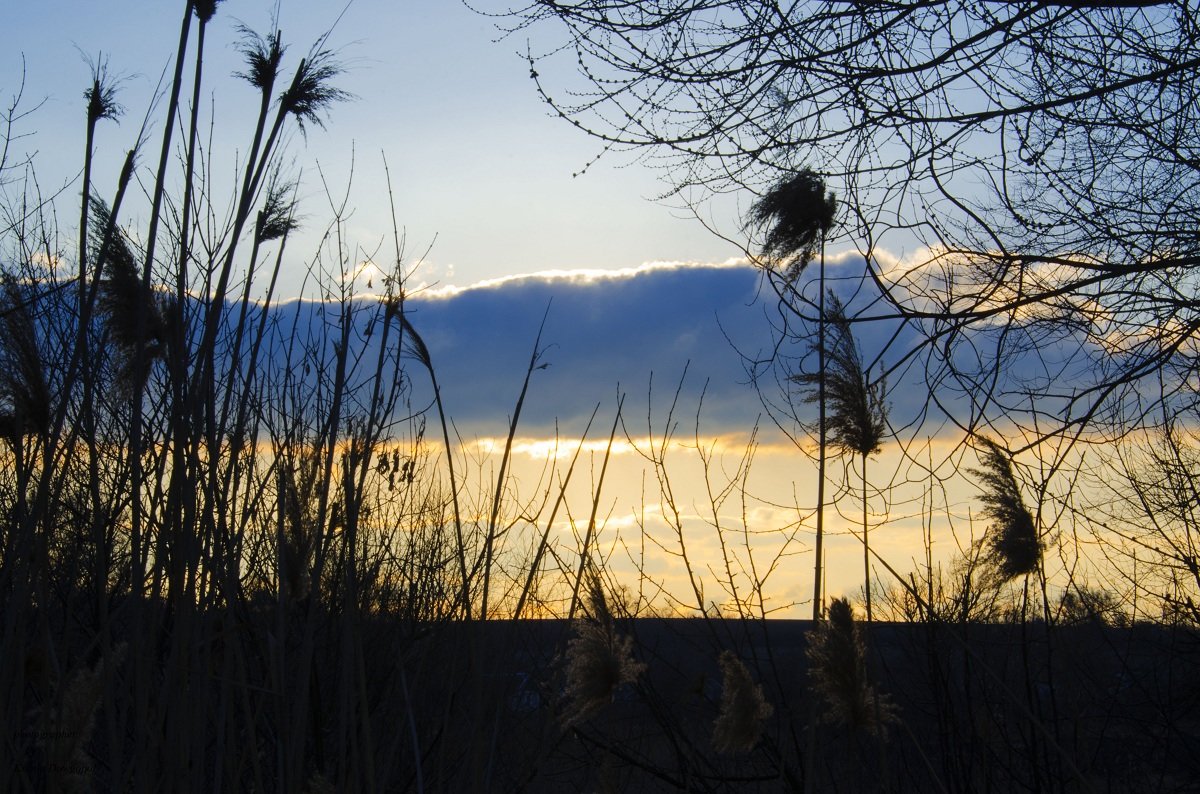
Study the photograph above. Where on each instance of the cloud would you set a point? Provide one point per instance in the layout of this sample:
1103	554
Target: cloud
604	333
634	333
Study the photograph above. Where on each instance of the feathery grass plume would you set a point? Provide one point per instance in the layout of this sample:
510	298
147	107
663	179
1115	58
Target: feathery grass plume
798	212
857	418
122	298
205	9
101	96
1012	543
102	103
310	93
598	659
837	659
278	215
67	728
319	784
856	415
263	57
24	395
299	534
743	708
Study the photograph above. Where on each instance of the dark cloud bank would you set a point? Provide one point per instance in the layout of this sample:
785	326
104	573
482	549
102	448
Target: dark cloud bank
604	335
601	335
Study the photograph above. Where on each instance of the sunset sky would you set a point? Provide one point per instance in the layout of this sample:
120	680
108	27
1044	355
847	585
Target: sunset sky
499	232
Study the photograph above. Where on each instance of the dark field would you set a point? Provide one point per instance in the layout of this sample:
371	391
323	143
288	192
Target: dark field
488	707
978	708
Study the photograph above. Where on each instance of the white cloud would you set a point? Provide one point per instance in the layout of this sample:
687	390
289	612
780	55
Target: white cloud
576	276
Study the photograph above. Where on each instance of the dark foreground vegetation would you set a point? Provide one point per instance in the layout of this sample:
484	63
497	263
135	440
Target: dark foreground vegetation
609	704
239	552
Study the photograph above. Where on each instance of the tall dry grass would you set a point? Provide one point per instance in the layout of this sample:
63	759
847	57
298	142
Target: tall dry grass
233	492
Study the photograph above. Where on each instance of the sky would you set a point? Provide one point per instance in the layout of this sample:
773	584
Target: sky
482	174
501	230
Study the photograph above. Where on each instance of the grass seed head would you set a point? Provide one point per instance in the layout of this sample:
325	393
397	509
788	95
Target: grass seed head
205	9
23	380
1012	542
277	218
837	658
743	708
263	56
69	726
101	96
598	660
311	92
797	213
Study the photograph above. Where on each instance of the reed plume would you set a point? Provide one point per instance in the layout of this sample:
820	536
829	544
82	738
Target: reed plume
319	784
299	531
598	659
263	56
310	93
743	708
857	419
24	394
122	299
798	213
205	9
101	96
277	217
1012	545
856	412
67	728
837	658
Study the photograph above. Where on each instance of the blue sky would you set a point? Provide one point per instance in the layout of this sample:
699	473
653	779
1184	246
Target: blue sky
482	174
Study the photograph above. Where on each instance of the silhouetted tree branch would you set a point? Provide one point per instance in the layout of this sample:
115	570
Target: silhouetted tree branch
1044	154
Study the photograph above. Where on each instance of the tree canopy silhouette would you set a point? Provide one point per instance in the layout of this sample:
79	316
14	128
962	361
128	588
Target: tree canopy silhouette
1042	156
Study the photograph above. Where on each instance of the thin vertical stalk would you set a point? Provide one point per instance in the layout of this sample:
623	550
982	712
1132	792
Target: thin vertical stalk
543	542
866	540
810	771
96	110
591	527
420	351
135	431
818	611
490	538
